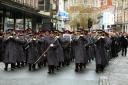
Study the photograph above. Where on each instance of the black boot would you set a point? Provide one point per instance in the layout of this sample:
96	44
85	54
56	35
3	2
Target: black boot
39	65
6	67
18	65
22	64
30	67
49	69
77	67
52	68
12	66
34	67
97	68
80	66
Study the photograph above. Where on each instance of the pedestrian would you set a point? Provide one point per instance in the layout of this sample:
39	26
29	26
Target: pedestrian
124	44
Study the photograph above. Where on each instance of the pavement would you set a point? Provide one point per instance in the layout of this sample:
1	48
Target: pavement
65	76
115	74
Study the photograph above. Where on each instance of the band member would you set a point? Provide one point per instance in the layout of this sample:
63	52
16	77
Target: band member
101	60
1	47
41	49
78	43
32	53
10	54
66	44
52	45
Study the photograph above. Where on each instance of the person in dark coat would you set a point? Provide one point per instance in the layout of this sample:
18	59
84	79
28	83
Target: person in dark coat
86	49
101	60
51	55
66	44
21	58
78	43
32	53
92	48
113	47
60	52
124	45
1	47
108	46
41	49
10	53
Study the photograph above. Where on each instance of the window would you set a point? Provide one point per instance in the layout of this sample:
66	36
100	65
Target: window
44	5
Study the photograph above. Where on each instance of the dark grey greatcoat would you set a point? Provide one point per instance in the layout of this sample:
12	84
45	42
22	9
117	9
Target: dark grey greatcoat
108	42
1	49
32	52
79	50
20	50
66	48
92	48
10	54
86	51
100	52
51	53
41	48
60	52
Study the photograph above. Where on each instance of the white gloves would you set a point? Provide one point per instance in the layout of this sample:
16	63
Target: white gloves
51	45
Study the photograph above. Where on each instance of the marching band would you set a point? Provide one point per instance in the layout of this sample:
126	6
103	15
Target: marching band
57	49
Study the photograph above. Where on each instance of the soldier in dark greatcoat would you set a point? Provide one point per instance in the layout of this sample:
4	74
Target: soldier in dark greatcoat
10	53
86	49
113	47
66	44
41	49
78	43
32	53
20	42
60	52
101	60
1	47
52	45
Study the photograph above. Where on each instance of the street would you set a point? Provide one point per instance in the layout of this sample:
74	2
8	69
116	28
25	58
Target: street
114	74
65	76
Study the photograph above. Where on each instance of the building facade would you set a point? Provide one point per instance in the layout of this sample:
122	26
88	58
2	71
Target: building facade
20	15
121	14
28	3
49	8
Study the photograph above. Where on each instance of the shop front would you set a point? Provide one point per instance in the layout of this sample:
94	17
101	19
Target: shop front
17	17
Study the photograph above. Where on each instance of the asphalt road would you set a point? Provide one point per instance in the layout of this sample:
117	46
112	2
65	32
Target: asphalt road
65	76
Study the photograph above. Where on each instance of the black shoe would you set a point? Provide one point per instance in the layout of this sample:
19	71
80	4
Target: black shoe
76	70
6	69
97	71
80	69
12	69
18	66
84	66
22	65
39	66
49	72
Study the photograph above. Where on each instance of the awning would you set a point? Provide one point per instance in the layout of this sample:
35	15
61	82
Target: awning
20	8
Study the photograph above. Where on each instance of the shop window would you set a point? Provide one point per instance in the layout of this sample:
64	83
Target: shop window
9	24
19	24
28	23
